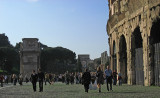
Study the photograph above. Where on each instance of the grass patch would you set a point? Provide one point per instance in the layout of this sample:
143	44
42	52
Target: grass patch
59	90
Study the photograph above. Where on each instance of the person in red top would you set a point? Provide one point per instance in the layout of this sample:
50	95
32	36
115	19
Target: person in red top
1	80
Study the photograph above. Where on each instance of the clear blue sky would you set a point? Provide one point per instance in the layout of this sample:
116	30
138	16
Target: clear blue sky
79	25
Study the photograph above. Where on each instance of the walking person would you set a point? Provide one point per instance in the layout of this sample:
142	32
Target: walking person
114	77
20	79
72	78
14	79
34	78
67	78
41	77
6	79
120	78
1	80
100	78
86	78
108	74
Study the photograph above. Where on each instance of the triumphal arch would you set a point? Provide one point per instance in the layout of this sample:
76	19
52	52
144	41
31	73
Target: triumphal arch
29	56
134	38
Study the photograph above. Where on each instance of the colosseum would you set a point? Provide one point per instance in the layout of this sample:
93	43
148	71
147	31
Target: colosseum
134	39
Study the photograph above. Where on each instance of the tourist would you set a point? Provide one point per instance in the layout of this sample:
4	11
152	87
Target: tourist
71	78
120	79
114	77
50	78
46	78
63	78
6	79
26	78
1	80
80	77
11	77
93	78
14	77
108	75
100	78
77	78
20	79
34	78
41	77
93	85
67	78
86	78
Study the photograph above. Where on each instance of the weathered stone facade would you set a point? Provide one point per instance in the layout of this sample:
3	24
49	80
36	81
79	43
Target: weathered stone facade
84	59
104	60
133	24
29	56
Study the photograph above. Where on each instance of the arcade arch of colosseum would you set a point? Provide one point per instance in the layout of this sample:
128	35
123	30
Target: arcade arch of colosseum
134	33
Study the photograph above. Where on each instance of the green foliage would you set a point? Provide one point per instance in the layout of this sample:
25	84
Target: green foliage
57	60
9	58
15	70
43	46
4	42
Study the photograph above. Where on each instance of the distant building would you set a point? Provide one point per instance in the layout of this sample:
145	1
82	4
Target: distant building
104	60
84	59
91	66
97	62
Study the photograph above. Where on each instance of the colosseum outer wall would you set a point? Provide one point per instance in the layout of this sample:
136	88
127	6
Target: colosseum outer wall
125	16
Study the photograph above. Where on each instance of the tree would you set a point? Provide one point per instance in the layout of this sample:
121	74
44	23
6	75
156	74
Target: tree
4	42
57	60
9	59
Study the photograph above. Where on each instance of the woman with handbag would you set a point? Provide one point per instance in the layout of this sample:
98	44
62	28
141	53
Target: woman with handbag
100	78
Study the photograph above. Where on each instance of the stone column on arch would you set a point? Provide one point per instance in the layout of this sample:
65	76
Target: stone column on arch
130	62
131	67
118	61
118	56
147	62
145	29
111	54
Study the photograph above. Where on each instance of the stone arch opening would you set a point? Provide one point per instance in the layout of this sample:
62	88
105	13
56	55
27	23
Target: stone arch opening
123	58
155	52
114	57
137	55
155	32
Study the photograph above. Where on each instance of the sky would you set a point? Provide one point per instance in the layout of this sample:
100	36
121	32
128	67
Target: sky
78	25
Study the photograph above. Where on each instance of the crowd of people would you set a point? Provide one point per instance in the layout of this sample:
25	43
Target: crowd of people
86	78
108	76
13	78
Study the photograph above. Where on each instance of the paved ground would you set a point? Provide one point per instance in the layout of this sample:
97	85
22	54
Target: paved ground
59	90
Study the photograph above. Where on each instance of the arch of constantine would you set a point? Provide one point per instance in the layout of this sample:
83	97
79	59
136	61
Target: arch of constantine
134	39
29	56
